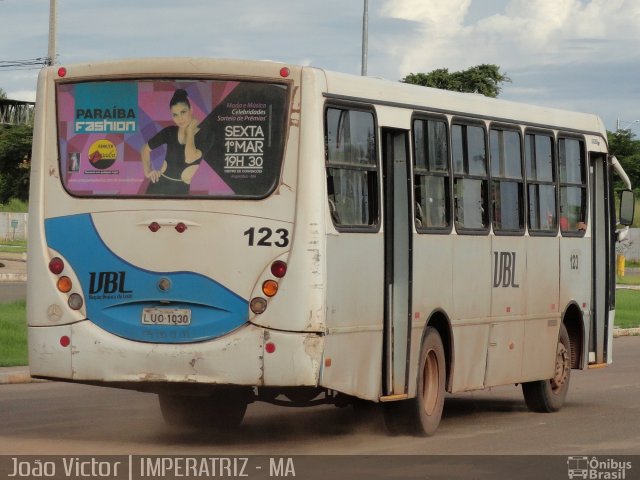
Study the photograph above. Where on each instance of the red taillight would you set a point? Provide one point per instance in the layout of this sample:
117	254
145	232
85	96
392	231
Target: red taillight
56	265
181	227
278	269
65	341
154	227
284	72
62	72
270	347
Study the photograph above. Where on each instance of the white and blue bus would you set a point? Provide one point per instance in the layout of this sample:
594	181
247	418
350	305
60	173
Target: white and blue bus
220	232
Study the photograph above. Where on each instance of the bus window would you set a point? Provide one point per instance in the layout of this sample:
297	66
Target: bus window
507	191
176	138
352	172
431	175
470	177
541	183
573	186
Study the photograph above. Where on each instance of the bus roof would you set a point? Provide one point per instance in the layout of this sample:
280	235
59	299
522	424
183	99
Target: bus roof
357	88
379	91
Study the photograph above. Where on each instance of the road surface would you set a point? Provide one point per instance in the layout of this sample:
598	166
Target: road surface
601	416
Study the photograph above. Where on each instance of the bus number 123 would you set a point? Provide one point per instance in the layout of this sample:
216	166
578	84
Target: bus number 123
264	237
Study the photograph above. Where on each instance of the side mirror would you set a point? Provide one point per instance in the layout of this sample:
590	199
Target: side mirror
627	206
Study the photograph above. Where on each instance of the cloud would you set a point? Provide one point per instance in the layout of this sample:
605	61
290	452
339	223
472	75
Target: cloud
526	32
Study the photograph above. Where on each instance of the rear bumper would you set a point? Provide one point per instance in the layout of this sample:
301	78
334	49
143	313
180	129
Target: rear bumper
238	358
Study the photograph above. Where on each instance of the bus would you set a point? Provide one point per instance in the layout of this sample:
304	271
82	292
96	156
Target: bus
220	232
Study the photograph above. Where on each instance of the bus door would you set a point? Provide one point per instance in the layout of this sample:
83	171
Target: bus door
602	263
397	259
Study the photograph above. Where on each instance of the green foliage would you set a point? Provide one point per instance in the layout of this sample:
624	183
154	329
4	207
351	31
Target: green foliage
485	79
627	308
13	334
15	205
15	154
3	94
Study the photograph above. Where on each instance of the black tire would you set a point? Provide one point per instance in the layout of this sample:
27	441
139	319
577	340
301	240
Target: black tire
421	415
222	410
546	396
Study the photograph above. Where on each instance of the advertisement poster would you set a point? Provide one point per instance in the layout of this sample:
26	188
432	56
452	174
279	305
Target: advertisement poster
171	138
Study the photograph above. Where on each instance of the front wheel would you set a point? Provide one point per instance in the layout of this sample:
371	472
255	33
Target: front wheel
548	396
421	415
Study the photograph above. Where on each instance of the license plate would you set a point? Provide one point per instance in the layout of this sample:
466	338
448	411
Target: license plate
166	316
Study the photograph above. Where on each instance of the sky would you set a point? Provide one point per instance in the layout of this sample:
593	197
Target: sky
581	55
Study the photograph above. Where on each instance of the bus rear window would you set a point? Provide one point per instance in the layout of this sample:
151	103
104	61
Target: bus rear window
171	138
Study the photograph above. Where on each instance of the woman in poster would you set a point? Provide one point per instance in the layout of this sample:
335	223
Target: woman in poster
182	157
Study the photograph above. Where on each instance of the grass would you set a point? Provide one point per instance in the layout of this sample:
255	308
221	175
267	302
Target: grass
627	308
15	206
13	246
13	334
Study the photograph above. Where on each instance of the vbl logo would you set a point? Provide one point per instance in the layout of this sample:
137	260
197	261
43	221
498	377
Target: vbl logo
107	282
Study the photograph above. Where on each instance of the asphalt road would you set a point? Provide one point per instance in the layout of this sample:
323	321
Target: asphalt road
601	417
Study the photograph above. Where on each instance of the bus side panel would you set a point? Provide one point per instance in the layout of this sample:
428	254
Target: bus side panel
471	276
432	290
508	296
543	317
470	342
295	361
576	277
355	302
47	357
472	306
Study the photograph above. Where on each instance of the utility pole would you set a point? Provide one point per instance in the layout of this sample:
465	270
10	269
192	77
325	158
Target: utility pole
52	33
365	37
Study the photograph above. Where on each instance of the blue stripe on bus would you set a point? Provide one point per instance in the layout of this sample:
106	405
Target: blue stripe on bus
116	291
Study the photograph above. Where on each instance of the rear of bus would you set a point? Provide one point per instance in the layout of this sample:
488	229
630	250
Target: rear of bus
175	275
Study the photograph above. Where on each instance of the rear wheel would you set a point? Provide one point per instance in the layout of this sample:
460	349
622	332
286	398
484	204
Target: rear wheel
223	409
548	395
421	415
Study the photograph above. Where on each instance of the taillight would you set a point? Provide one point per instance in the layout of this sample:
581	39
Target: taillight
75	301
258	305
278	269
64	284
270	288
56	265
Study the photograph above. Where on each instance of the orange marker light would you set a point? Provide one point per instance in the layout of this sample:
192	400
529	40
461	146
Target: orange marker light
270	288
64	284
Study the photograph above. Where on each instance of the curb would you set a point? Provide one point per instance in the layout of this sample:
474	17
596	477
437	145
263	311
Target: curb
13	277
15	375
626	332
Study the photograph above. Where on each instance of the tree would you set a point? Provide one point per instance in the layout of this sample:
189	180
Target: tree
485	79
15	154
623	145
3	94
